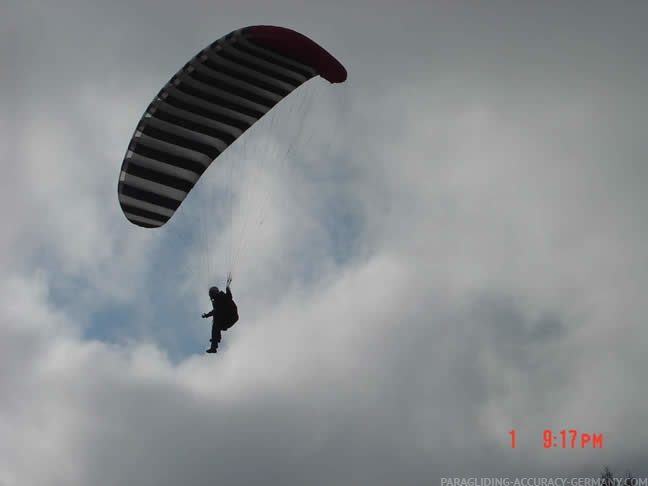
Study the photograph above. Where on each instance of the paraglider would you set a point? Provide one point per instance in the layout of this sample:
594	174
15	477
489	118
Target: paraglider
206	106
224	313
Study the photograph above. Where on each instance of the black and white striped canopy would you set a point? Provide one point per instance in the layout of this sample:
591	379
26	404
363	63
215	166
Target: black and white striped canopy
208	104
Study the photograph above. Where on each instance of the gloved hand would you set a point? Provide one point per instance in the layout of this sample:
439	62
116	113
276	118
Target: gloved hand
204	316
229	279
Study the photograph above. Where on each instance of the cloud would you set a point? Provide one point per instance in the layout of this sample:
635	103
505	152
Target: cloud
466	258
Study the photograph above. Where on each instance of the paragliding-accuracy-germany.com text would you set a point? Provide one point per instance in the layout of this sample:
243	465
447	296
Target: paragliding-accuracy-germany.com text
542	482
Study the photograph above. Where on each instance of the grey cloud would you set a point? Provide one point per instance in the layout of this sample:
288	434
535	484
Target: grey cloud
490	275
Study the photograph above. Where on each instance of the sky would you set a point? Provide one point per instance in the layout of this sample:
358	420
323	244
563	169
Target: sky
453	247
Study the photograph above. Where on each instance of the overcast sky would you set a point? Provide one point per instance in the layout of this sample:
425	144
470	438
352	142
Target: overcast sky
459	250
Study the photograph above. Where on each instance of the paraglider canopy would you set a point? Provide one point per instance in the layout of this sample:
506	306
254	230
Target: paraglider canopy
299	47
205	107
